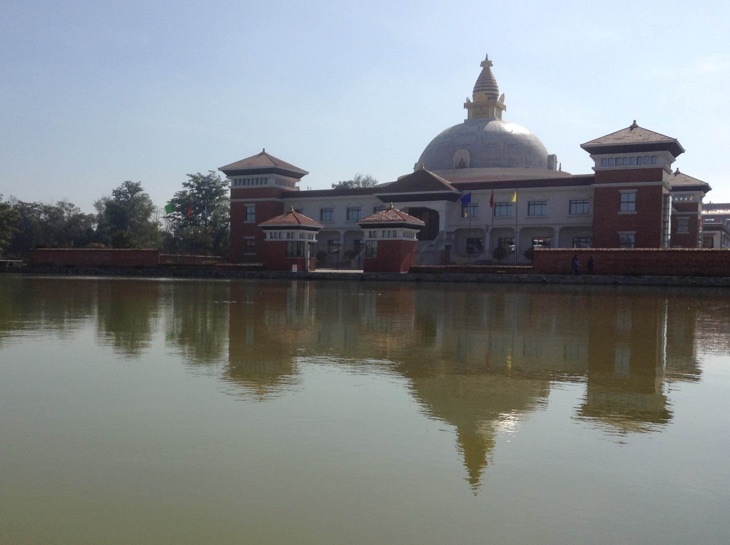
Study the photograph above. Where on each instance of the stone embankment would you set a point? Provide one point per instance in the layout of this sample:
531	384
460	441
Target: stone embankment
501	275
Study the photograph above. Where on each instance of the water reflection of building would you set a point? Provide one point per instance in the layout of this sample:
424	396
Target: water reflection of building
474	358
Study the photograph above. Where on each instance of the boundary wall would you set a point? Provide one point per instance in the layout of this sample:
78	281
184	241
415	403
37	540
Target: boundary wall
635	261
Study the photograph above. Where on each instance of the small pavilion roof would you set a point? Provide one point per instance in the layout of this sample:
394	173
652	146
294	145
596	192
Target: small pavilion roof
391	216
292	220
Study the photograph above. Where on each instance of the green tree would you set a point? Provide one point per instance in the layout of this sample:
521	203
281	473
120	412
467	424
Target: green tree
198	216
127	218
359	181
8	219
60	225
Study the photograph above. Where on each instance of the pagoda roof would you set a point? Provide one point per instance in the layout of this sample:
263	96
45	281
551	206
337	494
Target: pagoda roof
420	185
392	216
682	182
633	138
263	163
292	220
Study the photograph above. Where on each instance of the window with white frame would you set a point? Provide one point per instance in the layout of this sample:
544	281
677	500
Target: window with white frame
628	201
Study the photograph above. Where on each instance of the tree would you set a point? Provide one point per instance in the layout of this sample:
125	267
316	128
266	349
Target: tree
8	219
198	216
60	225
357	182
127	218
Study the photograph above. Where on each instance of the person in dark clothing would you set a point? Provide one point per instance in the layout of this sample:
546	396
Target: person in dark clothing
576	265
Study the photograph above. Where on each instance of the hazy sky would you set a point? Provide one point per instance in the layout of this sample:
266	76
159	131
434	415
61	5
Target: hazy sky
93	93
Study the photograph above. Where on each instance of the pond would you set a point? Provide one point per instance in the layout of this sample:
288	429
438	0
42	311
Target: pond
322	412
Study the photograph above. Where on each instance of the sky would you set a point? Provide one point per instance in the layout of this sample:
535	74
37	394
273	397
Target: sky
94	93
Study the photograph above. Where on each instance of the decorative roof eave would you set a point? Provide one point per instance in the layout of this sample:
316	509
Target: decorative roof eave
263	170
704	188
675	148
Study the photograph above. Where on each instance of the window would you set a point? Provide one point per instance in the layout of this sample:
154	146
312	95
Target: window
353	213
326	214
250	213
537	208
377	209
249	245
371	248
502	209
474	246
628	202
683	225
471	210
626	240
582	242
579	207
541	242
333	246
629	161
508	244
295	248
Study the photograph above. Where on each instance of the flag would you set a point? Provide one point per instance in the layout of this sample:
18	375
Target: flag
190	209
491	200
169	208
514	197
466	198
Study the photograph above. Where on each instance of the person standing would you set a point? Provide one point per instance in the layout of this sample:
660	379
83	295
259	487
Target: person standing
576	265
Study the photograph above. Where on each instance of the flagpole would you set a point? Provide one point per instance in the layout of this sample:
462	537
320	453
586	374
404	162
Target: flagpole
491	226
514	198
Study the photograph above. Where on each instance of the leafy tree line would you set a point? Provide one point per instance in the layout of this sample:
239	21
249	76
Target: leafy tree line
194	221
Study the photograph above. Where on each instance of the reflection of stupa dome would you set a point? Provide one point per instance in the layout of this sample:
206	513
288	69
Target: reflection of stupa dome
484	140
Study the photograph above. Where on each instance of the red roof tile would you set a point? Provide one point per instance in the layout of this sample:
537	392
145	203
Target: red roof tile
263	161
292	219
394	216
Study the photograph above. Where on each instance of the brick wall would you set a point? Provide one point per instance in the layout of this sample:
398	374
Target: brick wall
393	256
240	229
636	262
92	257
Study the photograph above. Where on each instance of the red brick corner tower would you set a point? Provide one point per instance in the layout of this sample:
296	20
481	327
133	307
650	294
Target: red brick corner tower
632	188
259	185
